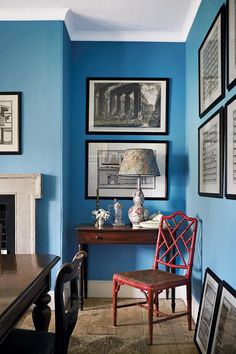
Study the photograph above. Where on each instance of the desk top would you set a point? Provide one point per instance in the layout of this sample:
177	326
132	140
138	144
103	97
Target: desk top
19	273
109	228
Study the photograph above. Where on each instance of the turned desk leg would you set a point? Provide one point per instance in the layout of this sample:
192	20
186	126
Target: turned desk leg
83	278
41	313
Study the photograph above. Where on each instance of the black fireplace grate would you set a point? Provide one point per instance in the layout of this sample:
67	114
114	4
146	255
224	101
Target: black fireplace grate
7	222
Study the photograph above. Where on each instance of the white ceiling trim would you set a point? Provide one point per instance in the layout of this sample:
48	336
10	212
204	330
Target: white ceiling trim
190	18
33	14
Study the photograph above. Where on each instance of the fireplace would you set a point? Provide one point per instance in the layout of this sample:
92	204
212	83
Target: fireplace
18	194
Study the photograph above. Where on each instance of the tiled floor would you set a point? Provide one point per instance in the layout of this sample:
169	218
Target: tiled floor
170	337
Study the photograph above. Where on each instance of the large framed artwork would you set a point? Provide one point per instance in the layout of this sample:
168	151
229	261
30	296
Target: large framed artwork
223	336
133	106
230	166
211	65
10	120
231	43
210	156
103	159
211	286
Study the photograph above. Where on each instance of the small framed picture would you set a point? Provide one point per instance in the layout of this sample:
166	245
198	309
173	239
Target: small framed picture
211	65
223	336
103	160
10	120
211	286
231	43
210	156
230	166
132	106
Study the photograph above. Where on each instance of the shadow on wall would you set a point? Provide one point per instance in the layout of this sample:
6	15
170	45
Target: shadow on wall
197	264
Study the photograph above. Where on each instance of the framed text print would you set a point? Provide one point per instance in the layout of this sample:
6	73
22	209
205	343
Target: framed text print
211	65
210	156
231	43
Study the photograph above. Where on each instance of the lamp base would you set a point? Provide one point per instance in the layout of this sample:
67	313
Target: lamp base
136	215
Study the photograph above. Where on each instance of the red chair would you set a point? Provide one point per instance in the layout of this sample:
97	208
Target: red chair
174	251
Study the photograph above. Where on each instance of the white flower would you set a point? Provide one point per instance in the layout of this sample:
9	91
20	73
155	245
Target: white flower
101	214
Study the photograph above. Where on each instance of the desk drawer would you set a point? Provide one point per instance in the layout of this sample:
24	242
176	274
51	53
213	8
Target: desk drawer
115	237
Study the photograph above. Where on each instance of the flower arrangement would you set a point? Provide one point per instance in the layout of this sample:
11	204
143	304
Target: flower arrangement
101	215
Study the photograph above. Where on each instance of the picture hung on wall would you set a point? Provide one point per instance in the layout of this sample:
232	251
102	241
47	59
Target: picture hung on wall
134	106
103	160
231	43
230	166
210	156
223	336
211	65
211	286
10	105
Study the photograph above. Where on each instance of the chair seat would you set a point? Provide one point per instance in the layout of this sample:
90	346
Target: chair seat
22	341
151	279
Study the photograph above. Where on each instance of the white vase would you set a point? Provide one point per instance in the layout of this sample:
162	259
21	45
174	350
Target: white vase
100	223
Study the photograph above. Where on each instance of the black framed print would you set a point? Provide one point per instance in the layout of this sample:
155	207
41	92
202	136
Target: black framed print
10	120
211	65
223	336
230	146
211	286
231	43
103	160
210	156
132	106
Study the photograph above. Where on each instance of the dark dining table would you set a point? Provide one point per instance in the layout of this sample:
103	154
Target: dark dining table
25	279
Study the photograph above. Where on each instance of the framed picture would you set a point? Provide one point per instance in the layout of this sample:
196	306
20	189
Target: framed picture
211	286
223	336
133	106
211	65
210	156
231	43
10	114
103	160
230	166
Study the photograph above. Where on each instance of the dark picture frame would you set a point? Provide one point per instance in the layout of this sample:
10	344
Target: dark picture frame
102	166
223	335
230	148
210	156
208	303
10	122
211	65
231	43
127	105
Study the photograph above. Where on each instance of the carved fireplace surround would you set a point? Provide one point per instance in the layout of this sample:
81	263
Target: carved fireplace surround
26	188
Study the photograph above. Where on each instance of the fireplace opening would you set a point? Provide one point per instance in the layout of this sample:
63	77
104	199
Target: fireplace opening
7	222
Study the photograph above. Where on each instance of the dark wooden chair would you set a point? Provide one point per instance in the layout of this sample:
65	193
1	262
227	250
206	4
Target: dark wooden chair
21	341
174	253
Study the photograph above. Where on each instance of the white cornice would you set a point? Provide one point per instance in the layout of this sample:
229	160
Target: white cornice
65	14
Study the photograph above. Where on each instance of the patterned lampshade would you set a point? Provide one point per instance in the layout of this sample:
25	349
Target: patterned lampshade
139	162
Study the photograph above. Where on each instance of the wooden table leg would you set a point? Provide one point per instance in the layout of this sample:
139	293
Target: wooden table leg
41	313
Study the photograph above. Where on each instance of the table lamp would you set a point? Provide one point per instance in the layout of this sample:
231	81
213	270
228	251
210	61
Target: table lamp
137	163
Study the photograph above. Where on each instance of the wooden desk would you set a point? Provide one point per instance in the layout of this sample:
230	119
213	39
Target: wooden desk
24	280
88	234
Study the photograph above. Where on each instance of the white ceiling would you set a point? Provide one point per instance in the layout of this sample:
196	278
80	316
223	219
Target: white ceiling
123	20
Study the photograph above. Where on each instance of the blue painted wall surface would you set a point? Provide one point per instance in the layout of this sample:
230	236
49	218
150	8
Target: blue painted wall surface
215	246
116	59
32	64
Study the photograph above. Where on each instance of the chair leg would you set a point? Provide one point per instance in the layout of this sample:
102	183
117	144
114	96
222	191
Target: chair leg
114	301
189	305
156	302
150	316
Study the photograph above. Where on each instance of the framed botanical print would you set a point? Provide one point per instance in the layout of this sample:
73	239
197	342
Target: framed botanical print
211	286
230	146
231	43
126	105
10	122
210	156
223	336
103	160
211	65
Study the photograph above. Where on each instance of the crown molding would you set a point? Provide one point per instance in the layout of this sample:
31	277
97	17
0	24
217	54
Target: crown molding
193	9
33	14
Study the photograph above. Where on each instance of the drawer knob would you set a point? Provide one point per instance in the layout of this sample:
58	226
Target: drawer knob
98	237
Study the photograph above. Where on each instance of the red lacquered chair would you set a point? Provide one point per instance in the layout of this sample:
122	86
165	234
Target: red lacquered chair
174	252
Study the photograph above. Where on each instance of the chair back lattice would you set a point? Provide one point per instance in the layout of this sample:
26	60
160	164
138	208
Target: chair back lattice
176	242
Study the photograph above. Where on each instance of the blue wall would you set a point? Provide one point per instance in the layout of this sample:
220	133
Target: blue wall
114	59
32	64
215	247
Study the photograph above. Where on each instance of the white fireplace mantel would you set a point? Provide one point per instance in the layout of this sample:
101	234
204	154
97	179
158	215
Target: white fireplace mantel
26	188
